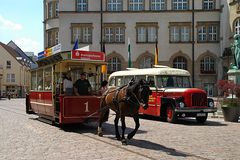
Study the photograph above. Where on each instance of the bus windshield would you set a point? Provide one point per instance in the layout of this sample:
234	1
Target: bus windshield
173	81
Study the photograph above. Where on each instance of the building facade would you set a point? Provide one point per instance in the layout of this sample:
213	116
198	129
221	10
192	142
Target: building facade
189	33
14	72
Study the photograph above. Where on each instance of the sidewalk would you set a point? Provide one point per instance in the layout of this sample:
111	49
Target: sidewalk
217	104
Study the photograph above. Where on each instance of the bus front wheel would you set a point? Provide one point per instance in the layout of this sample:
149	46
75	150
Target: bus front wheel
171	115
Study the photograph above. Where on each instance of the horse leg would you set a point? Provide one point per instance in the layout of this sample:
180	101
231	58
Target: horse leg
137	125
100	122
116	126
124	142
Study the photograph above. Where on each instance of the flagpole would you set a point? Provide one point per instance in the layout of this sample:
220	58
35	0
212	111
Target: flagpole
101	39
193	45
156	51
129	54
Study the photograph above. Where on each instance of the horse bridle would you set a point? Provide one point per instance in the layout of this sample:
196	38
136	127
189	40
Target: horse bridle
136	98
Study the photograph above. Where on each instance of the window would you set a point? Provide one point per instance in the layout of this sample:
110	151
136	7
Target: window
136	5
57	9
10	77
207	65
238	7
115	5
146	62
114	33
52	37
157	5
48	78
40	80
52	9
8	66
114	64
173	81
180	62
180	32
208	32
82	32
34	80
237	26
180	4
208	4
146	32
81	5
208	87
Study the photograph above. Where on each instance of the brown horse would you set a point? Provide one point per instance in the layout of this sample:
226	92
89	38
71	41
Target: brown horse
125	101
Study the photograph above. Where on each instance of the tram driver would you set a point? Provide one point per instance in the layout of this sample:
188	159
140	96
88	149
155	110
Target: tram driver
82	86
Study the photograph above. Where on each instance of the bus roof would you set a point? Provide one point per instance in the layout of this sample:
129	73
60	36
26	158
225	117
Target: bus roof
152	71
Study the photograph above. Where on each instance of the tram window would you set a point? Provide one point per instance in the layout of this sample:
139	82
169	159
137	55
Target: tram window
34	80
48	78
92	80
40	80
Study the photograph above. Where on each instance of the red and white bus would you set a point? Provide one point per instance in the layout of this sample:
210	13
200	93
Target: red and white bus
172	94
46	97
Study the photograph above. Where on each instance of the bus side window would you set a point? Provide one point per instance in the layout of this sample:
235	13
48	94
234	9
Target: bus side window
151	81
112	82
137	78
127	79
119	81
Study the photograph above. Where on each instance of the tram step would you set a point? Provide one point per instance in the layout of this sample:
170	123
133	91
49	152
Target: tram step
45	120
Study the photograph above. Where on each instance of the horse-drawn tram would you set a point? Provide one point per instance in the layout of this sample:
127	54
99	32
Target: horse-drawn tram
47	97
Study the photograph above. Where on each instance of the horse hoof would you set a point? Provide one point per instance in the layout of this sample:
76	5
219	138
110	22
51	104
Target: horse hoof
100	134
124	142
129	137
118	138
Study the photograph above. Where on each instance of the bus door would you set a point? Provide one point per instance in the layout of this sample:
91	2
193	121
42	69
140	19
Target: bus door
153	103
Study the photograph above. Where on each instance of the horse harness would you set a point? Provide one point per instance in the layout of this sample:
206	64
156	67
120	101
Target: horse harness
127	99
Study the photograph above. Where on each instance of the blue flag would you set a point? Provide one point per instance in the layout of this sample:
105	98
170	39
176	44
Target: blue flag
75	45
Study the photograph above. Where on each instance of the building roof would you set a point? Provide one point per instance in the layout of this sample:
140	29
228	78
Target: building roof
11	51
26	60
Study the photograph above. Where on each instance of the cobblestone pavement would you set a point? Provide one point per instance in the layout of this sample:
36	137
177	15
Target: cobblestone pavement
23	137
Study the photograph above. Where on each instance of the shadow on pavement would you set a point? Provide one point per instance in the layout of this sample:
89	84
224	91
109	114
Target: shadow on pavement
185	121
154	146
108	129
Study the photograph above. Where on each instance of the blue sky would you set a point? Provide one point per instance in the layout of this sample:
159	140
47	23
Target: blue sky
22	22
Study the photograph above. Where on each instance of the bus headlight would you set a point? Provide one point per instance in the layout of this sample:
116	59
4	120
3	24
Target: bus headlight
210	104
181	104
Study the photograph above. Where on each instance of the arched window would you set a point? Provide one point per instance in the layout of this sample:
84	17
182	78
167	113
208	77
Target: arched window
207	65
180	62
146	62
114	64
237	26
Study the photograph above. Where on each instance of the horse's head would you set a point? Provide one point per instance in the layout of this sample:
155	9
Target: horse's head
144	93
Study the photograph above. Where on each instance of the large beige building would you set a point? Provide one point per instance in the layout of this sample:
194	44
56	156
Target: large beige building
190	34
14	71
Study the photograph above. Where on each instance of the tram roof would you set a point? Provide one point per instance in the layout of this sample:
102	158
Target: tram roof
64	56
152	71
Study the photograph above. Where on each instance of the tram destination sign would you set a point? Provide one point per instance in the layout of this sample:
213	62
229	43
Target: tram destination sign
88	55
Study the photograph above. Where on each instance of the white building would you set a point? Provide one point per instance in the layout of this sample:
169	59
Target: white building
190	39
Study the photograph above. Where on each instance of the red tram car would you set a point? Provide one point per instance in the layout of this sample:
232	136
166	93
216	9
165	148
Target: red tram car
46	97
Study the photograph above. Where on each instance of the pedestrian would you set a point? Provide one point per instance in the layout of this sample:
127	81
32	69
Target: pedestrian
103	87
82	86
9	95
67	85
